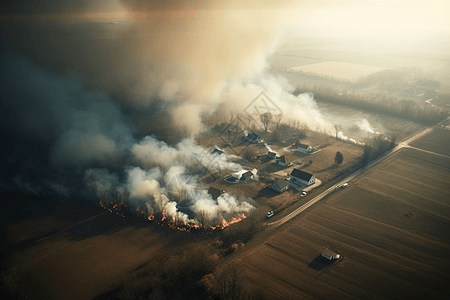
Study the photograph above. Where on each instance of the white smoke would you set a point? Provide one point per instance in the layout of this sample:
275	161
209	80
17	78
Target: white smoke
364	125
166	175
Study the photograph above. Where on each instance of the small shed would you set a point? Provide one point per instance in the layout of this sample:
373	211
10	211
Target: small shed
330	255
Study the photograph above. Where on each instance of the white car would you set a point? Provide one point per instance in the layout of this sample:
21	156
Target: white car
344	185
303	194
270	214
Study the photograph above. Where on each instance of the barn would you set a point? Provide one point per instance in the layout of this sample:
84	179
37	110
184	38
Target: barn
302	177
279	186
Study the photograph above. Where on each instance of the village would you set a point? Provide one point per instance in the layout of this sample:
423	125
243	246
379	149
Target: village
280	166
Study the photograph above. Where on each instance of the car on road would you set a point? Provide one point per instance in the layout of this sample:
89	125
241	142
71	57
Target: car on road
344	185
303	194
270	214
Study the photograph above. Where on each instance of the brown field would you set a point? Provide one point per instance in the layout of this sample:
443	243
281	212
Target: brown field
390	226
349	117
87	258
437	141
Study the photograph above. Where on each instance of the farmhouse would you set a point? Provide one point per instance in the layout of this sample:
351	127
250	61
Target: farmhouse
217	151
254	138
271	154
215	193
279	186
247	176
304	148
283	161
299	176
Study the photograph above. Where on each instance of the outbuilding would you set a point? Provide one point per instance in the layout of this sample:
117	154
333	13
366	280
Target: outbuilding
330	255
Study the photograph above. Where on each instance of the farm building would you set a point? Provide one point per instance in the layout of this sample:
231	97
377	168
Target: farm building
330	255
303	148
279	186
217	151
284	161
215	193
271	154
254	138
247	176
299	176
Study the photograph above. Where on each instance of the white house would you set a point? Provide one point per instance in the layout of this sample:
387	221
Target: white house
279	186
299	176
303	148
283	161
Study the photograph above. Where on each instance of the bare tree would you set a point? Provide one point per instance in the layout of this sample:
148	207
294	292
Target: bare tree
278	119
265	119
203	218
337	128
230	284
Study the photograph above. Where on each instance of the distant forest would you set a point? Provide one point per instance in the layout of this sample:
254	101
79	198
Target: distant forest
407	109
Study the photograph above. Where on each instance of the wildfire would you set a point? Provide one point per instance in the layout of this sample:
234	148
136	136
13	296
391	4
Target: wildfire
226	223
164	215
115	207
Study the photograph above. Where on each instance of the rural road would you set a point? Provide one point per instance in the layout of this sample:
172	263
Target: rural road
350	177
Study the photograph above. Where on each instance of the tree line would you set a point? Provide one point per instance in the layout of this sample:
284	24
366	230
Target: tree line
407	109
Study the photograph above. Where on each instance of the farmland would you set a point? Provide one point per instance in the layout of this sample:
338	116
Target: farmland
390	226
82	255
352	121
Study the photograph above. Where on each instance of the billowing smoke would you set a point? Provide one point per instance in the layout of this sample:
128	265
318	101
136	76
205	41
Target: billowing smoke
88	104
365	126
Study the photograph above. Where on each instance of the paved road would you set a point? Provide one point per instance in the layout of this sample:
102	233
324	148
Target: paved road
356	173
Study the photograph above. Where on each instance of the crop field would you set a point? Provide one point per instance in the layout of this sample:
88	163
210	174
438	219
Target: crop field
91	255
437	141
390	227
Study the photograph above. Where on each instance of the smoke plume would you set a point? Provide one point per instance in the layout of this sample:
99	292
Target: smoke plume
92	90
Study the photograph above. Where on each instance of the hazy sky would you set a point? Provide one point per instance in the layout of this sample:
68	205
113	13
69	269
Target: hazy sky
382	18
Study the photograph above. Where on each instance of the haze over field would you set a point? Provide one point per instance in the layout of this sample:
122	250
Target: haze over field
84	84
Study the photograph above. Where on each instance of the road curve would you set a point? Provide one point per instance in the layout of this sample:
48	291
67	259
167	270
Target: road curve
353	175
